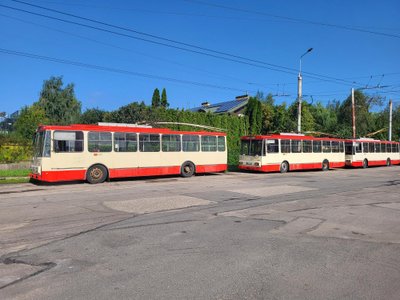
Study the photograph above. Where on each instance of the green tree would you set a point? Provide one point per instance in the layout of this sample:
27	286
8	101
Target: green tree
28	120
254	113
92	116
268	111
307	119
155	100
365	121
59	104
325	118
164	101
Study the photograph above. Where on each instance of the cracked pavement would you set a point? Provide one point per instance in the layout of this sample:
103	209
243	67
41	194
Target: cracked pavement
300	235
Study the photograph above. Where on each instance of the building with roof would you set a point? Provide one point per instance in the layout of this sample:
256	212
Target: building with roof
237	106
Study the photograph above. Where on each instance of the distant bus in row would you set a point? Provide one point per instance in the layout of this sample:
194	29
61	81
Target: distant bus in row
99	152
284	152
368	152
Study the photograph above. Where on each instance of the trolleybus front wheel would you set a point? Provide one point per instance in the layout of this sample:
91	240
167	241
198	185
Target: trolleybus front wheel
388	162
96	174
284	167
187	169
325	165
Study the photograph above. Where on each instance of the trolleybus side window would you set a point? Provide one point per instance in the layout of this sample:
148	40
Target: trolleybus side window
307	146
208	143
125	142
365	147
296	146
171	142
149	142
326	146
272	146
190	143
68	141
358	147
383	147
377	147
317	146
335	147
371	147
394	148
341	147
285	146
221	143
99	141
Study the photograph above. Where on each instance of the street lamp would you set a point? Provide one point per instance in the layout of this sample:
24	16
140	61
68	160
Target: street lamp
299	93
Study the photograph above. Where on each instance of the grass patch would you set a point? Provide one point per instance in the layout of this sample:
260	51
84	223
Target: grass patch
14	180
14	173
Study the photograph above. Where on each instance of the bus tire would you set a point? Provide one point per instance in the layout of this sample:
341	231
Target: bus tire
325	165
365	163
284	167
96	174
388	162
187	169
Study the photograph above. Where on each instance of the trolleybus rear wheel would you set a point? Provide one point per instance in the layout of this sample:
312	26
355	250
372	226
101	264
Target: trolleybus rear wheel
325	165
96	174
365	163
187	169
284	167
388	162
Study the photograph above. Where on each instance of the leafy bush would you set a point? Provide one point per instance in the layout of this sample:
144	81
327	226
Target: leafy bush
14	153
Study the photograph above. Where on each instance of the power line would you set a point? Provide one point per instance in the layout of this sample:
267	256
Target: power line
130	50
143	39
242	60
351	28
114	70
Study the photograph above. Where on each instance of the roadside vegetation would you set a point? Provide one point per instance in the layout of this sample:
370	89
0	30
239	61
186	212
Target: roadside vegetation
14	176
57	104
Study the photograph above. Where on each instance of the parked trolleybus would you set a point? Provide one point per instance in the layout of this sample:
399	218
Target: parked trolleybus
365	152
284	152
99	152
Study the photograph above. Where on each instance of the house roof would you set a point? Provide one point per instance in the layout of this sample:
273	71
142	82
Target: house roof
222	107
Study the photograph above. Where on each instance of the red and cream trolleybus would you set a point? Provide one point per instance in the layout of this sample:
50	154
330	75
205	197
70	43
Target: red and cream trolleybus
110	150
284	152
366	152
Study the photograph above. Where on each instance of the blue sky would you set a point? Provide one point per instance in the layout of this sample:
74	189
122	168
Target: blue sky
270	32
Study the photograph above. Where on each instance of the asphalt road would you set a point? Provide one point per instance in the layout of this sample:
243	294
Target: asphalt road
300	235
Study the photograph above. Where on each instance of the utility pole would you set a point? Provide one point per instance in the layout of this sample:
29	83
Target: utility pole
390	119
353	111
299	93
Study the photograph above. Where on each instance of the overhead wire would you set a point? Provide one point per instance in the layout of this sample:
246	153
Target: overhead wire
225	55
130	50
346	27
114	70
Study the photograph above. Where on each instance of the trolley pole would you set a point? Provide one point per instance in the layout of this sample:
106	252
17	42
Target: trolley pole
390	119
353	111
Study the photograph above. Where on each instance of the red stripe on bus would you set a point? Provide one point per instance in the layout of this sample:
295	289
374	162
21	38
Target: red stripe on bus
292	167
64	175
359	163
153	171
70	175
211	168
